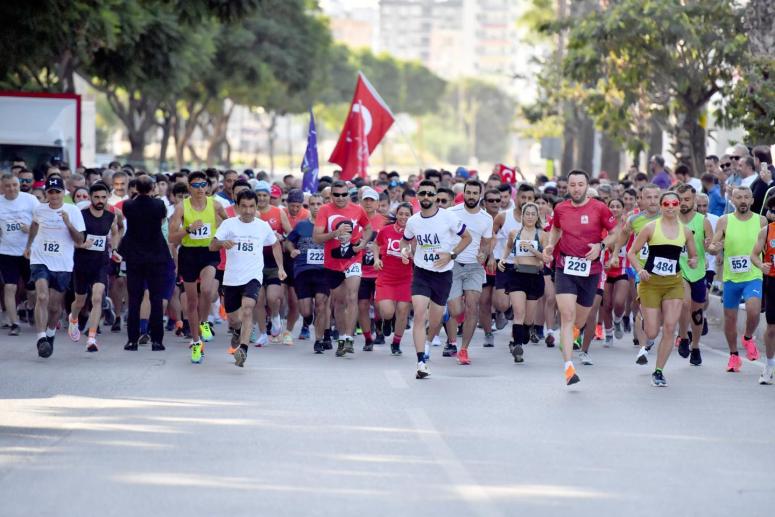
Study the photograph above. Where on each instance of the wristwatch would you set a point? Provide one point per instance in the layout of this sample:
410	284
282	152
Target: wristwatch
453	255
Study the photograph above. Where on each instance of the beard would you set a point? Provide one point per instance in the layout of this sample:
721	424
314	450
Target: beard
742	209
686	210
426	204
99	206
471	203
580	198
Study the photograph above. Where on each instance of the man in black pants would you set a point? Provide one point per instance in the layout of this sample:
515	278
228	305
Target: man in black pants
147	256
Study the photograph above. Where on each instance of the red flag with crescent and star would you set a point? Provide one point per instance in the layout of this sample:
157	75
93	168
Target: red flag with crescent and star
368	120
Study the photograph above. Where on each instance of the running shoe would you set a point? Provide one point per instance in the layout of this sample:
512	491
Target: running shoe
327	345
304	333
436	341
609	341
368	346
549	340
349	345
577	342
734	364
539	331
683	348
358	331
44	348
533	335
460	330
130	346
196	353
489	340
340	351
277	326
379	339
658	379
15	330
262	340
695	358
387	327
585	359
116	327
599	336
170	326
650	344
287	338
73	331
179	328
500	320
618	330
144	339
157	347
92	347
626	324
462	357
570	375
768	375
240	355
318	347
751	350
422	370
395	349
518	354
449	350
643	356
205	332
254	334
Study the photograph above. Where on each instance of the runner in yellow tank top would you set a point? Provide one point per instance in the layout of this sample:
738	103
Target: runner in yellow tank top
736	236
661	289
193	225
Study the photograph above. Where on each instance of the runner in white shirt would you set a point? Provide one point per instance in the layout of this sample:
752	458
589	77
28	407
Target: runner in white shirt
55	231
244	238
436	234
468	272
16	210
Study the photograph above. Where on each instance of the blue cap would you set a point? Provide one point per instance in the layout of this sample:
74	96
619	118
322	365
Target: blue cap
263	186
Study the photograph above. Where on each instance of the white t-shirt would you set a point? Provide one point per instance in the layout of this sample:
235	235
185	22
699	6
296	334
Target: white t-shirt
435	234
710	260
245	260
12	215
747	182
113	199
53	246
479	225
696	183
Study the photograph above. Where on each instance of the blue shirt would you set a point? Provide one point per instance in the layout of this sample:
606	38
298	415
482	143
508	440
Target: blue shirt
301	237
662	180
716	202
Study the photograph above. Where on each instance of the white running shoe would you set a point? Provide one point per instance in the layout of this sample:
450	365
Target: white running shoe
73	331
643	356
768	375
277	326
262	340
585	359
436	341
422	370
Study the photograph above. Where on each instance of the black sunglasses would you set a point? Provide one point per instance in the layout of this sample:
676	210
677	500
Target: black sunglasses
734	157
493	200
725	165
426	193
342	194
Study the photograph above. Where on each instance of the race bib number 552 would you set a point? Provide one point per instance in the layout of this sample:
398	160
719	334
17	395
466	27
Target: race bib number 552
576	266
740	264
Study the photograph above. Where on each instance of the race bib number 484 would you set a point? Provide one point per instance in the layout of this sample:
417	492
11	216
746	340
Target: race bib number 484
664	267
576	266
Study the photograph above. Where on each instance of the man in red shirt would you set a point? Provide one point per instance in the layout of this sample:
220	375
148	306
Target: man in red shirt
345	229
576	242
369	202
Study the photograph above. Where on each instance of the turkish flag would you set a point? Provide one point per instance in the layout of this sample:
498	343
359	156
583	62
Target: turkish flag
507	174
367	122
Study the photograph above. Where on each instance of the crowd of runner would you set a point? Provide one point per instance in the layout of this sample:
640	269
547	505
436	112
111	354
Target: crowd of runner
569	262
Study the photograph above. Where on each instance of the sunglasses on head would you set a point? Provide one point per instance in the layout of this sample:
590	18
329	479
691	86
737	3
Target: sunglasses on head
339	194
673	202
199	184
426	193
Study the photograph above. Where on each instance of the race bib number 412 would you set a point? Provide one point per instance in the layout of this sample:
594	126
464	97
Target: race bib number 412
203	232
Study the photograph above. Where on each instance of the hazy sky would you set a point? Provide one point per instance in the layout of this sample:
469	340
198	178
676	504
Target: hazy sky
351	3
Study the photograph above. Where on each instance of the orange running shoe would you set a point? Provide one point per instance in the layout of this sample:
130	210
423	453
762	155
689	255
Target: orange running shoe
751	350
599	332
576	333
232	350
462	356
570	375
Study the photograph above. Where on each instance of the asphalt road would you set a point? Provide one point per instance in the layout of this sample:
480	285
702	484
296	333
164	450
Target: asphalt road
148	433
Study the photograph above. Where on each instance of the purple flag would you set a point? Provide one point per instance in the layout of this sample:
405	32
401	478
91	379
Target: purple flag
309	166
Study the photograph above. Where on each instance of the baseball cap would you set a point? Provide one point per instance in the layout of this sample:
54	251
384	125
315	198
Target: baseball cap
369	193
55	183
295	196
276	192
262	186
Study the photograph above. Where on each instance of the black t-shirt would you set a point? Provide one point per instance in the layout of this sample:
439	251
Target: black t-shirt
98	231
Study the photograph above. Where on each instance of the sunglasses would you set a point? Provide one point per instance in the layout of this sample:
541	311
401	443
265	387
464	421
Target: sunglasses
674	202
725	165
341	194
25	180
199	184
493	200
734	158
426	193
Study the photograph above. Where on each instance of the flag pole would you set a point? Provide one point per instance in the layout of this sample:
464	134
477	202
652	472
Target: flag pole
400	127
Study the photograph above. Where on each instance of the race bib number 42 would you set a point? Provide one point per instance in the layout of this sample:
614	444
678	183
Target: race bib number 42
664	267
98	242
740	264
576	266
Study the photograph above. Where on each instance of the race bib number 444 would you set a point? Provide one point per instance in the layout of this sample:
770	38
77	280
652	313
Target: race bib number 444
576	266
740	264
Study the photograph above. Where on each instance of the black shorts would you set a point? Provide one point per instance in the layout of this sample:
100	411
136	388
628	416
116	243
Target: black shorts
435	286
769	299
709	277
13	268
699	290
532	284
84	278
233	295
502	277
219	276
334	278
288	266
613	279
272	276
489	281
584	287
367	288
191	262
310	282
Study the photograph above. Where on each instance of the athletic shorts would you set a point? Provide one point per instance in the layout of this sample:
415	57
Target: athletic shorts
502	277
290	278
310	282
431	284
532	284
367	288
613	279
734	292
12	268
191	262
57	280
769	299
334	278
219	276
272	276
709	277
84	279
584	287
699	290
396	292
466	277
233	294
660	288
489	281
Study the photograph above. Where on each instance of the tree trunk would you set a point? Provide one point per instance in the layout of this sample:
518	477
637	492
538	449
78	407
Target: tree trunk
271	136
655	139
585	144
137	139
610	157
689	146
166	130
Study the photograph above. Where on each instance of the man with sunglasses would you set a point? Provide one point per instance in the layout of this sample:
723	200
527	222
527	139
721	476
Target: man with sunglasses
444	197
193	225
492	203
343	271
16	209
26	179
435	233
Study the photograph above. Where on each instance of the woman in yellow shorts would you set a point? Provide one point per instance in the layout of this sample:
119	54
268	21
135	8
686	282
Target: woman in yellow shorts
661	289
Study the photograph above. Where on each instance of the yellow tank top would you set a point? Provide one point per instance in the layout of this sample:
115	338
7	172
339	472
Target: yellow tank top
202	237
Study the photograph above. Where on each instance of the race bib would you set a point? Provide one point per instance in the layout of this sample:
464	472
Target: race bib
315	257
12	227
98	242
353	270
740	264
201	233
576	266
523	248
247	246
430	254
663	266
644	252
684	252
52	248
